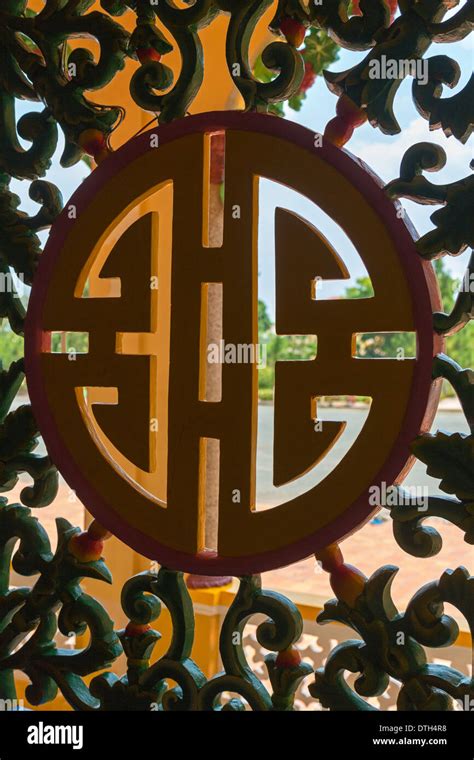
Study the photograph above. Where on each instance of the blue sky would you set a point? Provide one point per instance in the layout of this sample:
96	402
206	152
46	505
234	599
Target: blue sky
383	153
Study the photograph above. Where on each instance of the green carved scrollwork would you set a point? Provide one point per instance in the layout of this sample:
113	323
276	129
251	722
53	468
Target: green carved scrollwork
425	541
10	382
450	459
356	32
38	128
20	246
34	611
144	686
183	25
278	56
462	380
391	645
463	309
455	115
404	40
41	64
18	439
279	632
454	223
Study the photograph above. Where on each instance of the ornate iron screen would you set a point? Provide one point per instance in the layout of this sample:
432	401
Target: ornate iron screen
38	64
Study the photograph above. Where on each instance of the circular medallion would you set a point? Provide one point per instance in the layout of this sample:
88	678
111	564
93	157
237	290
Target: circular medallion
128	273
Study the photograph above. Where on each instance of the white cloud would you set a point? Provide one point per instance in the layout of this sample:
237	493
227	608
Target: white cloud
384	153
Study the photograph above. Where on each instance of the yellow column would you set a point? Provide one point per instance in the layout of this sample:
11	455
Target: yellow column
217	93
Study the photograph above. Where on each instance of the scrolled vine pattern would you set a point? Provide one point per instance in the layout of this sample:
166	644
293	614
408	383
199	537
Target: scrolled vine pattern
278	634
183	25
42	67
390	644
454	229
29	615
43	63
144	685
450	459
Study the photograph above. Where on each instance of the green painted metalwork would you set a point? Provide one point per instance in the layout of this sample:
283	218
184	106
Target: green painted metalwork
392	645
454	224
36	65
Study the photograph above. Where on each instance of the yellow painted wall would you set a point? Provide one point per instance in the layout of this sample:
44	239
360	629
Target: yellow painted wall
217	93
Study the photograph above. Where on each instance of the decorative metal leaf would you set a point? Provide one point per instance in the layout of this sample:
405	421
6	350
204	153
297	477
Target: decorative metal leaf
450	458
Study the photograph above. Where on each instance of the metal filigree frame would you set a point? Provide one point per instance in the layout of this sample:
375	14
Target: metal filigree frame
36	65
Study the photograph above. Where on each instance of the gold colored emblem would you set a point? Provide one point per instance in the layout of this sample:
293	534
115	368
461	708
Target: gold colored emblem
127	421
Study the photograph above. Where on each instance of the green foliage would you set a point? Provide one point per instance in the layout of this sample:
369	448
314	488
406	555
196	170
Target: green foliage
448	285
282	348
266	378
265	394
450	458
290	348
18	433
72	341
12	345
373	346
362	289
393	346
303	348
460	345
264	321
318	53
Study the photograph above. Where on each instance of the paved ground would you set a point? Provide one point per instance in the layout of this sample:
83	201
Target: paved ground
267	495
373	545
368	549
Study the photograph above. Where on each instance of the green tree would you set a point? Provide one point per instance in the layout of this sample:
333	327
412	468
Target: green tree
290	348
448	285
372	345
459	346
12	345
362	289
264	321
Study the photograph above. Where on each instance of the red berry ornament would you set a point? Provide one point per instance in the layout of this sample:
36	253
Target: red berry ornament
94	142
148	54
293	30
346	581
134	629
97	532
88	545
85	548
288	658
338	131
352	114
392	4
309	77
